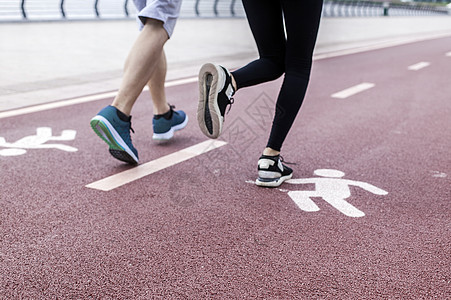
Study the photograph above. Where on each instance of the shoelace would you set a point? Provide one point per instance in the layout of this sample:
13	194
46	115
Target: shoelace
231	101
172	107
130	136
283	161
131	129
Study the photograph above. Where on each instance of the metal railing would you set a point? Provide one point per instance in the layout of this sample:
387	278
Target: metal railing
64	9
23	10
355	8
216	7
16	10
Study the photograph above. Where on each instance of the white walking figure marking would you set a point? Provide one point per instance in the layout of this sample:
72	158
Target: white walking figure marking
333	189
38	141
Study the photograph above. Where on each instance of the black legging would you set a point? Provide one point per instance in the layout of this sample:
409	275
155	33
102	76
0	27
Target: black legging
278	55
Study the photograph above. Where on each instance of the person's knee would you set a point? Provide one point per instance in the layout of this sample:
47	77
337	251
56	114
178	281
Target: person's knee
299	67
149	22
276	64
154	26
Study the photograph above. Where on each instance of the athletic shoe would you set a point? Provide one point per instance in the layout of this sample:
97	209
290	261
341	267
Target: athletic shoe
271	171
116	133
216	91
164	128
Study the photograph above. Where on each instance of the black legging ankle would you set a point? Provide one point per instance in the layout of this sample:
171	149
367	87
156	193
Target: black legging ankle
278	55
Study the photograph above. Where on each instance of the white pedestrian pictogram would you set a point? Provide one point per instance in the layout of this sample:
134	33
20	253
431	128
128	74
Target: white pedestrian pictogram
38	141
333	189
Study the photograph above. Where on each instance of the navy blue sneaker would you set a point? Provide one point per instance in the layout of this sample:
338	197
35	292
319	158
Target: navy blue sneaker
165	125
116	133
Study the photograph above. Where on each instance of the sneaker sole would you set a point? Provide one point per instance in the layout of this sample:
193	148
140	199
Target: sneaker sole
169	134
208	113
272	182
117	147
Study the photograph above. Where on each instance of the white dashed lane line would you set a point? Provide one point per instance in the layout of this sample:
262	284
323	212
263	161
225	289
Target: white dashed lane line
119	179
353	90
419	66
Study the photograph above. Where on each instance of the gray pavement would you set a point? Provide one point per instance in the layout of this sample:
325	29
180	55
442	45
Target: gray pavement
50	61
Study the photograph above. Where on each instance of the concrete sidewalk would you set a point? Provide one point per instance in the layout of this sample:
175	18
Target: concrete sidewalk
44	62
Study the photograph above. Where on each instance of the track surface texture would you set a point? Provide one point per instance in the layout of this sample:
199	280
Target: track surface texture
201	230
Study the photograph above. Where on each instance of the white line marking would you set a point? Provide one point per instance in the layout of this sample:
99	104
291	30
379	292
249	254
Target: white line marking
438	174
117	180
63	103
380	45
353	90
419	66
180	81
47	106
448	53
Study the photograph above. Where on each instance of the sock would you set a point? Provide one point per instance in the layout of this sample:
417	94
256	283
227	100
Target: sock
123	116
167	115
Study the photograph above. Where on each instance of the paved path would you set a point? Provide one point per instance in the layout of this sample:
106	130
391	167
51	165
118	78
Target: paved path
366	216
45	62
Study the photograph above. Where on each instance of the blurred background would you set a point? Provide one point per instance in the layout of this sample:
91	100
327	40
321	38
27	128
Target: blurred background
20	10
59	49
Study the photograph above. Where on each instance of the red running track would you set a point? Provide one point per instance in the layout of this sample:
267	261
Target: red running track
200	230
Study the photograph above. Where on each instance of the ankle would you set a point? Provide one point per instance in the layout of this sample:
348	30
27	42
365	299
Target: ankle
161	109
124	109
167	115
122	116
270	152
233	82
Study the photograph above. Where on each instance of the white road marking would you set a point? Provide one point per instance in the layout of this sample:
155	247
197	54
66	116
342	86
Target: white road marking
333	189
438	174
353	90
63	103
419	66
52	105
448	53
117	180
380	45
38	141
181	81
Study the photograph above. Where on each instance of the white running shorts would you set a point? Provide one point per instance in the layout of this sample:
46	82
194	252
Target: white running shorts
166	11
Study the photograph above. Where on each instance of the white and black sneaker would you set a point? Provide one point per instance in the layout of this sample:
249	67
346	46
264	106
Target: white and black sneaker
271	171
216	91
